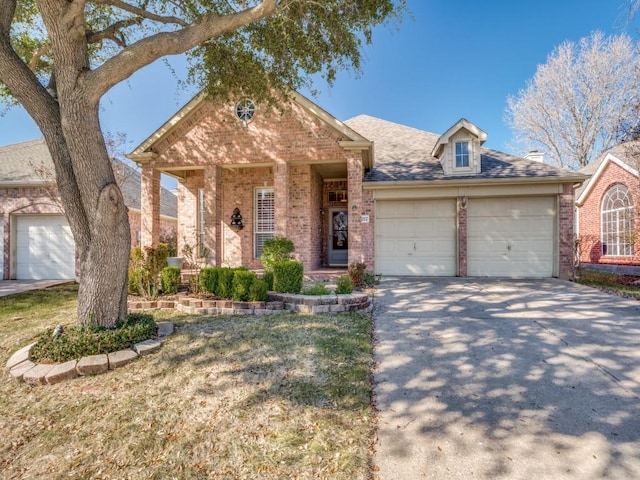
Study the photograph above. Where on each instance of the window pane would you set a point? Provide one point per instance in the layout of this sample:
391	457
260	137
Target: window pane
264	224
617	222
462	154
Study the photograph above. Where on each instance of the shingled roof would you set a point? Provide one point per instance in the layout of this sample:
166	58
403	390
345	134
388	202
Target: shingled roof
19	163
403	154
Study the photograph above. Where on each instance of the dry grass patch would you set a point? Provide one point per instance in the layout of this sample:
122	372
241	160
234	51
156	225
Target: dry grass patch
623	285
242	397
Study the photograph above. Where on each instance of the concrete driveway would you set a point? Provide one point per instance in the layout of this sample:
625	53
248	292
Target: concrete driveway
506	379
13	287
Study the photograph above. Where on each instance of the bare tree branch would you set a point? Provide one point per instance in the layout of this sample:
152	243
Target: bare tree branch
111	33
141	12
149	49
46	48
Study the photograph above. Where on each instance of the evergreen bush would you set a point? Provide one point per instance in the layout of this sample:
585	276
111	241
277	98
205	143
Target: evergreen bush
287	276
242	282
345	285
258	291
208	279
275	250
170	280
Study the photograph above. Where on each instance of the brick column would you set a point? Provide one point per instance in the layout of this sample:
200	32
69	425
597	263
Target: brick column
188	210
355	207
213	213
565	232
462	236
281	196
150	207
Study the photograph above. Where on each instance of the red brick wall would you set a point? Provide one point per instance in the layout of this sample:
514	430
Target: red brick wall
566	235
589	234
462	236
283	146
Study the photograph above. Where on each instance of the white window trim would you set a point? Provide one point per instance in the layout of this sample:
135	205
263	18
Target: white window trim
265	233
605	229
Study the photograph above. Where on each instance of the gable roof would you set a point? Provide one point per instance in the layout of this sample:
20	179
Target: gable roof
462	124
405	154
19	163
623	155
352	139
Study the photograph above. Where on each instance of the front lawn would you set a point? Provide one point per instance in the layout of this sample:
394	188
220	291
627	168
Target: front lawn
623	285
274	397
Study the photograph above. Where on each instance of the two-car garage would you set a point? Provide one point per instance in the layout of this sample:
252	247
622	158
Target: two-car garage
505	236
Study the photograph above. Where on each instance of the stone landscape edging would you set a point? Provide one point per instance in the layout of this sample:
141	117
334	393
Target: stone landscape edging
279	302
21	366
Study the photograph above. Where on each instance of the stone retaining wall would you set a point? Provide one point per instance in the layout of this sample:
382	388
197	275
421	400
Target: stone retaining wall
279	302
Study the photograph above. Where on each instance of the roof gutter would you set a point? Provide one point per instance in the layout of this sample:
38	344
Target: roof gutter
382	185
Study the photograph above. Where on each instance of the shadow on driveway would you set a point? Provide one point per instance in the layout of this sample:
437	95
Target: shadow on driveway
498	379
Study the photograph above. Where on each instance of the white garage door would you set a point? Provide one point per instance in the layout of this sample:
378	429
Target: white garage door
511	237
45	248
416	237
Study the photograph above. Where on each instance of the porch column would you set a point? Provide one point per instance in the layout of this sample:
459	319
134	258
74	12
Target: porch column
355	208
150	207
281	196
214	217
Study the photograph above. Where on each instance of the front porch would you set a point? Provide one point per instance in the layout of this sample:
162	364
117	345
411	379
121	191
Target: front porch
296	174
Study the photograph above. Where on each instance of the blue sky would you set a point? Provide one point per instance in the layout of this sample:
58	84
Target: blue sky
454	59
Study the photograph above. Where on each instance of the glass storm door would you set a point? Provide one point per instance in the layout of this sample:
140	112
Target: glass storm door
338	237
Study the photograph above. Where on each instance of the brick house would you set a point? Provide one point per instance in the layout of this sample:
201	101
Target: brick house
401	200
607	220
37	240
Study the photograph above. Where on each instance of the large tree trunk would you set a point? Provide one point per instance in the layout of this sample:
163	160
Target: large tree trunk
96	212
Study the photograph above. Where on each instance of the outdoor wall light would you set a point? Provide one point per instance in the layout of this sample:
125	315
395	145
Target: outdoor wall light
236	220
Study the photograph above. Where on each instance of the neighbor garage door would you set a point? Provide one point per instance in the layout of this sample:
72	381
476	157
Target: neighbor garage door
416	237
511	237
45	248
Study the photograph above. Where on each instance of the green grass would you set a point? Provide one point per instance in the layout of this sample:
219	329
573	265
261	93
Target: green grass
619	284
275	397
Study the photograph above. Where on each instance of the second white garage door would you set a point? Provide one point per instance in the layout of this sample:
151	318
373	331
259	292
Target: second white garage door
416	237
45	248
511	237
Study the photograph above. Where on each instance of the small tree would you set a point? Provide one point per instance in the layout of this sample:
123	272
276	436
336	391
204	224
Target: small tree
578	102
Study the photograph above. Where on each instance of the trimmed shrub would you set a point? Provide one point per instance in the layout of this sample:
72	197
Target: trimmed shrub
242	281
145	267
275	250
258	291
356	273
287	276
317	289
225	282
208	280
345	285
77	342
170	280
267	276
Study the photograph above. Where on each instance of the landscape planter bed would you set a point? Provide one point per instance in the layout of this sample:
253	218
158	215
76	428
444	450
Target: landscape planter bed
278	302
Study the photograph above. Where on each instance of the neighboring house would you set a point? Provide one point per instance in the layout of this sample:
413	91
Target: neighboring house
404	201
37	240
607	218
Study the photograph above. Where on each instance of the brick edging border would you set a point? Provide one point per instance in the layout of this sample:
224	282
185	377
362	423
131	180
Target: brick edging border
279	302
21	367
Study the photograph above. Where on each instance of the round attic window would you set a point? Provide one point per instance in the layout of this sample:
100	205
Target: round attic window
245	109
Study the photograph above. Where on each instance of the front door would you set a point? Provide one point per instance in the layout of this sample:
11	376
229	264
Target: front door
338	237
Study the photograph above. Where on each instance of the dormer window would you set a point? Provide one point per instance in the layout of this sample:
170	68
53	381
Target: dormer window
462	154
